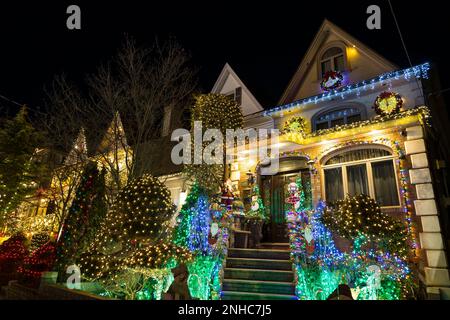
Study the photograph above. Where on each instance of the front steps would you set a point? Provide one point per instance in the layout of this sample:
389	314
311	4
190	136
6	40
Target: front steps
259	274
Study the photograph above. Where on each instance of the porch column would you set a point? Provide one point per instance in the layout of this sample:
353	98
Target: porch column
431	240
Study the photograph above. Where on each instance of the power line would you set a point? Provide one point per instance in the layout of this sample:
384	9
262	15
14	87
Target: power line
404	46
400	33
11	101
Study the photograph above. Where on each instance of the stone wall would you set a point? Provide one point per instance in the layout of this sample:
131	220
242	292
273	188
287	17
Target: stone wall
431	240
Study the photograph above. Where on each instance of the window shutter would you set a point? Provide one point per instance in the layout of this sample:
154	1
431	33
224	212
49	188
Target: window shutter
166	121
238	96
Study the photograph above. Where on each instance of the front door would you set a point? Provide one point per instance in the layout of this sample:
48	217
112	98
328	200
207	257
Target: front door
275	192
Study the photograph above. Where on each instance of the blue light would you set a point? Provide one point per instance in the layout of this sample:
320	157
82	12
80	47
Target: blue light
419	72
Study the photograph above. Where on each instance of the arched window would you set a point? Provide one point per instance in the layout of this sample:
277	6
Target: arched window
369	171
332	60
337	117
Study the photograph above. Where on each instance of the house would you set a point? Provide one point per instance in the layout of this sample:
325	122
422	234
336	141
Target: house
348	147
345	146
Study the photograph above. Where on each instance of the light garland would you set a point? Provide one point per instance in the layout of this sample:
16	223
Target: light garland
39	261
417	72
421	114
359	216
194	233
214	111
194	222
12	253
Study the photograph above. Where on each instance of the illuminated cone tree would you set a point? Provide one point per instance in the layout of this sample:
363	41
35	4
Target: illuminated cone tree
87	211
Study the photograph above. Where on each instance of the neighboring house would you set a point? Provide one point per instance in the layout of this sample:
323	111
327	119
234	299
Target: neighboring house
229	84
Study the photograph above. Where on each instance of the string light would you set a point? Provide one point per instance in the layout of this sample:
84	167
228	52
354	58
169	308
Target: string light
39	261
421	114
257	210
12	253
417	72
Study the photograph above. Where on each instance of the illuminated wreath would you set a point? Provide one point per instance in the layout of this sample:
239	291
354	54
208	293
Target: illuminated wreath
294	125
388	103
331	80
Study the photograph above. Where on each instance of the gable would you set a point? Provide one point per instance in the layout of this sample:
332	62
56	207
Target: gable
360	63
228	82
114	137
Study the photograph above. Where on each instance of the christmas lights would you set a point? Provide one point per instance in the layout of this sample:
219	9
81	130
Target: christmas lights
388	103
359	216
294	125
38	262
395	146
320	267
331	80
257	210
417	72
421	114
12	253
194	222
88	209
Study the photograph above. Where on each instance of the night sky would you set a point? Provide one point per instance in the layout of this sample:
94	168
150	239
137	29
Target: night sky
264	43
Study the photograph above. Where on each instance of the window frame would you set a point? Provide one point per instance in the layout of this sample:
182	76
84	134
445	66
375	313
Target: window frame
315	118
235	95
370	181
331	60
334	44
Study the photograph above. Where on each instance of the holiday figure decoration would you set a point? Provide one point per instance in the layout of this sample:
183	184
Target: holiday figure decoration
257	210
331	80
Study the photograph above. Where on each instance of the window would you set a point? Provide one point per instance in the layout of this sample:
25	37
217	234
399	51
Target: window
362	171
337	118
332	60
334	188
236	95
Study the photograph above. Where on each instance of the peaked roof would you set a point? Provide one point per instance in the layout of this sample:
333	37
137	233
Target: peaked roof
79	150
115	132
226	72
320	39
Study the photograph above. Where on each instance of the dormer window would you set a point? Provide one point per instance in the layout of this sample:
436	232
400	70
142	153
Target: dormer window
236	95
333	60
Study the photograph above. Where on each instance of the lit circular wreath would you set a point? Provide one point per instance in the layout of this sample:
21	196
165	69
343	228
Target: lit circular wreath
331	80
388	103
294	125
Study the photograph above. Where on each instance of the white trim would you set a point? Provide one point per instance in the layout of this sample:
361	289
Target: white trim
322	35
227	71
330	155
